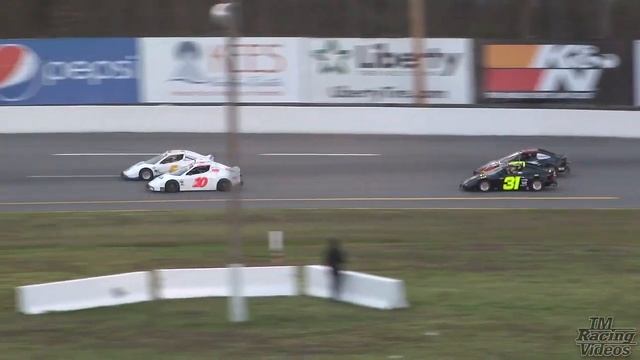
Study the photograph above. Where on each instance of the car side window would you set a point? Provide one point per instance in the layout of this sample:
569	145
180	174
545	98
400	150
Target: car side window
526	156
542	156
169	159
198	170
179	157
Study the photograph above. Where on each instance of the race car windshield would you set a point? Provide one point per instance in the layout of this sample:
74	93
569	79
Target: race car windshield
508	157
495	170
155	159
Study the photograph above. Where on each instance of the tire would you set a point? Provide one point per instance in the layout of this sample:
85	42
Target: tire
145	174
172	186
536	185
224	185
484	186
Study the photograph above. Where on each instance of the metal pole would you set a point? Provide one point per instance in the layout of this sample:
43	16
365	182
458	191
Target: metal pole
238	311
417	29
237	305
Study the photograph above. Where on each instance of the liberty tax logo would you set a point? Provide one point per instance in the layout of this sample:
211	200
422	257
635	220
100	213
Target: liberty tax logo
544	71
332	58
601	339
19	66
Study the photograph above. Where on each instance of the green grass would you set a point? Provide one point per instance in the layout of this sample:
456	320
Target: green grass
491	284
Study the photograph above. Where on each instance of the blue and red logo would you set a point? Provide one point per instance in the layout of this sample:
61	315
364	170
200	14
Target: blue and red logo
68	71
19	67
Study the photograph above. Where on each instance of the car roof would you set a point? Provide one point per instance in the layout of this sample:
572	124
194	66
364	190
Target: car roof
189	152
547	151
203	162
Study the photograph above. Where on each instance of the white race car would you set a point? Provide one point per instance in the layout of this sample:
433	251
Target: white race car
203	175
167	162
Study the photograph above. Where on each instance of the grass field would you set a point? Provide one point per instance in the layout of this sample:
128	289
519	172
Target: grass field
482	284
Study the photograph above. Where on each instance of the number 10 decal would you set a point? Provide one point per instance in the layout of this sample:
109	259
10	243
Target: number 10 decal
200	182
511	183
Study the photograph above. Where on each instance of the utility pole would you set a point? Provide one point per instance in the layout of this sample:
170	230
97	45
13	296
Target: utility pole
417	29
226	14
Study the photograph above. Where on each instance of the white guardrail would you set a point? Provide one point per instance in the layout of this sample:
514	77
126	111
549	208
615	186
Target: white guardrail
322	120
361	289
356	288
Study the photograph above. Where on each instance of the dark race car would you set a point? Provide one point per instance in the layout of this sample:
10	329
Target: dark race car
514	176
541	157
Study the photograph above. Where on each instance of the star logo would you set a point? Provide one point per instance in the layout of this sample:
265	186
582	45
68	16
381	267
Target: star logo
332	58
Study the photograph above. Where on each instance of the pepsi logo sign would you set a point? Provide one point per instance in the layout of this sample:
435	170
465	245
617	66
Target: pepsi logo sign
19	66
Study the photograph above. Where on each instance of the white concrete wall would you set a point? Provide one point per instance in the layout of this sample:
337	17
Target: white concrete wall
327	120
211	282
271	281
191	283
84	293
357	288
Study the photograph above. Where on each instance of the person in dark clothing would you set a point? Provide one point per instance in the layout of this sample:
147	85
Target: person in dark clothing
335	259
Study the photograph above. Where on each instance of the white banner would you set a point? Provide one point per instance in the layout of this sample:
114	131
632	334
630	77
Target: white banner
382	70
176	70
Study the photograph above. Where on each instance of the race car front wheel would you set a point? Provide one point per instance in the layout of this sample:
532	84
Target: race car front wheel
145	174
171	186
536	185
484	186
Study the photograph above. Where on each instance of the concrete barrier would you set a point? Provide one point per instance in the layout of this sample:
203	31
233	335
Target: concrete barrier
322	120
212	282
357	288
271	281
84	293
191	283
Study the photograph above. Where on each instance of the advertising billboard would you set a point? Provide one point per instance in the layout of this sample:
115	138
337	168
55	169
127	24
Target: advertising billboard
68	71
596	73
383	70
183	70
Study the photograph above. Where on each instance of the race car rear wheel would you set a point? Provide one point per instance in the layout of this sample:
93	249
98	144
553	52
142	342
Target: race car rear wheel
224	185
536	185
172	186
484	186
145	174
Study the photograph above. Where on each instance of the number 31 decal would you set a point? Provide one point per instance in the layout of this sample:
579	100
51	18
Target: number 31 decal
511	183
200	182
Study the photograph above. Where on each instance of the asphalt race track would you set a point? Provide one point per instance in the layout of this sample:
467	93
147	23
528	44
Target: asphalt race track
294	171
